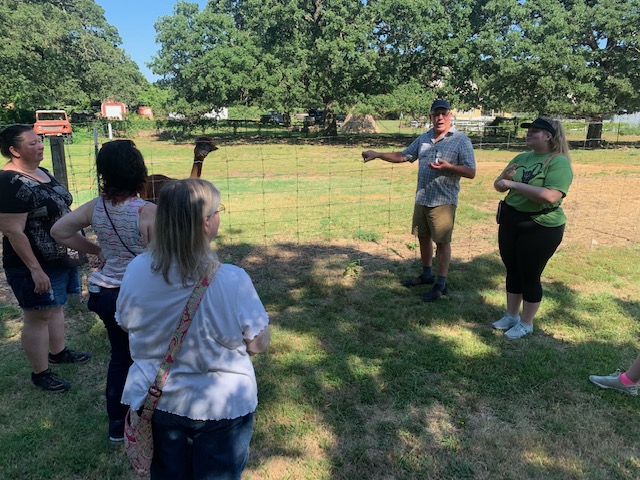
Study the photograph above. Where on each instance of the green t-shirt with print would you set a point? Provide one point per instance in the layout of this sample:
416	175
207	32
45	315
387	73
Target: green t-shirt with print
557	175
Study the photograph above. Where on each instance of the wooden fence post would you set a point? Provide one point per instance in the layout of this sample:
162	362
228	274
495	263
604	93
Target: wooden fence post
96	150
59	161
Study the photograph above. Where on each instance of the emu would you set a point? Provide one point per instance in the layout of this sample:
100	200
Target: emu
154	183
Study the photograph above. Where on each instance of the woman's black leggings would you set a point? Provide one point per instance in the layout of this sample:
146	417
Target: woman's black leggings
525	248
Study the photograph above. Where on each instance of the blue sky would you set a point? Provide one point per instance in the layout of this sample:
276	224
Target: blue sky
134	20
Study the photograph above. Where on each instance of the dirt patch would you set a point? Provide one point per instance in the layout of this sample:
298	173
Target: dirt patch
147	134
602	208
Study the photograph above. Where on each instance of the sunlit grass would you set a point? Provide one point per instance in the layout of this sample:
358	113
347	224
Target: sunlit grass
362	379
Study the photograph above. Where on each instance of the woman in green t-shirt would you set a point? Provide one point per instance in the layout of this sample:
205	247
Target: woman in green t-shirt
531	219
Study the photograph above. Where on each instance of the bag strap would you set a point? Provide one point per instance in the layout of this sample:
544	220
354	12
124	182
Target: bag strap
104	204
155	390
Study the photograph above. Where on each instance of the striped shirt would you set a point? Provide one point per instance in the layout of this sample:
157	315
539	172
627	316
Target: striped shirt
126	219
436	187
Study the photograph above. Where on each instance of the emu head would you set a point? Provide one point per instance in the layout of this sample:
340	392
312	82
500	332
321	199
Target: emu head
204	146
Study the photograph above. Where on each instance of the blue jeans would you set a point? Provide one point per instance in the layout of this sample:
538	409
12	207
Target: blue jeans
104	304
199	449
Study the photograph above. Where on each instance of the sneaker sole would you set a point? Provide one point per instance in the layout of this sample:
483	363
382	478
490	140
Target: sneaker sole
77	362
512	339
414	283
633	393
428	297
517	338
68	363
59	390
497	327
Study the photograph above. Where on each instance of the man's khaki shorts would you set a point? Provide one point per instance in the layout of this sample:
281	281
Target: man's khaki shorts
435	222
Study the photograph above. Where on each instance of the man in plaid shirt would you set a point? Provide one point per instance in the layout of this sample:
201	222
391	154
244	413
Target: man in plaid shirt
444	156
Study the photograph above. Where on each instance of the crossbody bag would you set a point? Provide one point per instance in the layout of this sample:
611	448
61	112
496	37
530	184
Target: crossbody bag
138	437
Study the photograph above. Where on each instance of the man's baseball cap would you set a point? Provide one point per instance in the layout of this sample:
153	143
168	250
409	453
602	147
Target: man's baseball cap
440	104
540	123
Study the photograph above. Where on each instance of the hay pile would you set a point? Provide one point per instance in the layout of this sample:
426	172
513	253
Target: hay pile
359	124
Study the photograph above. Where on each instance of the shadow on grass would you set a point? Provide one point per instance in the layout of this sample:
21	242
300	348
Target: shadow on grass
406	389
365	381
631	307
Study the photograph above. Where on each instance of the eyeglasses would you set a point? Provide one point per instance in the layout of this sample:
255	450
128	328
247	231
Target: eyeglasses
219	210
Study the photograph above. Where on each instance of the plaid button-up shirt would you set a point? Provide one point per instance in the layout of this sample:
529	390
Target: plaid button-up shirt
436	187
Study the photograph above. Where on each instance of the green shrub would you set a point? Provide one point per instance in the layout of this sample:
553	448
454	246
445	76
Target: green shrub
366	235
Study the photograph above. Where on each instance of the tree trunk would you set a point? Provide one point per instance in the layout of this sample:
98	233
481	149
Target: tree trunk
594	132
330	125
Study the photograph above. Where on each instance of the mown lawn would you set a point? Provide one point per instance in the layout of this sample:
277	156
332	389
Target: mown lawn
363	380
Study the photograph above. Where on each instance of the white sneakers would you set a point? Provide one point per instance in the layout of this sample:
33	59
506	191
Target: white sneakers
519	330
515	329
506	322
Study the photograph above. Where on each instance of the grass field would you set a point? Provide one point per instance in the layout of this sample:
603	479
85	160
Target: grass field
363	380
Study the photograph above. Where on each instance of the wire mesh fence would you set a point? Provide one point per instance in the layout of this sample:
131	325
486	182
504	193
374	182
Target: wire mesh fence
490	131
307	192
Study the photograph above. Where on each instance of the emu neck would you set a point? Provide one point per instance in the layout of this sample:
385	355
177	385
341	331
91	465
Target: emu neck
196	170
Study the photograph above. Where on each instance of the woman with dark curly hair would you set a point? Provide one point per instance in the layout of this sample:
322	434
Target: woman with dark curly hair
123	224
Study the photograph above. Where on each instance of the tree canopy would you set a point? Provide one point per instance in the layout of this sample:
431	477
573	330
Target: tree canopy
558	57
62	53
272	53
570	57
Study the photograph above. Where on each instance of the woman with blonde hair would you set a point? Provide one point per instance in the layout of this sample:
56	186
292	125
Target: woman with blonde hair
203	422
531	219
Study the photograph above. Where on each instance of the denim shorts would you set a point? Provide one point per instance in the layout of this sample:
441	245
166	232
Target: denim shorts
64	280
